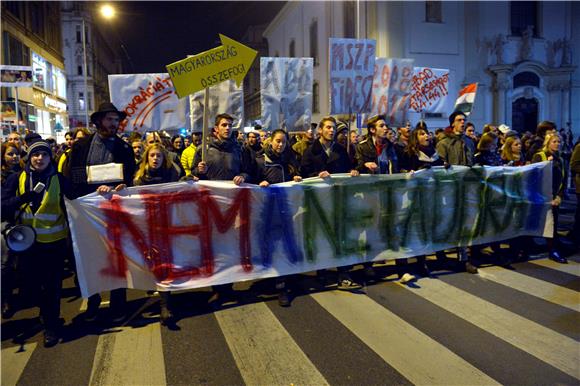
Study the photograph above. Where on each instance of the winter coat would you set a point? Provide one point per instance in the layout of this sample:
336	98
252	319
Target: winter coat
426	158
456	149
75	169
367	152
315	160
224	161
276	168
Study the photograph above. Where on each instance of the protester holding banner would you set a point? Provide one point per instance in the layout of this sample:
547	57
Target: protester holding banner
550	152
225	158
455	148
419	153
157	168
102	162
278	164
323	158
34	197
151	137
376	154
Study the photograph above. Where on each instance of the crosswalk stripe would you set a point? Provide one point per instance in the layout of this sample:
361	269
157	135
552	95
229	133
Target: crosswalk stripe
572	268
264	351
419	358
539	341
14	360
550	292
129	357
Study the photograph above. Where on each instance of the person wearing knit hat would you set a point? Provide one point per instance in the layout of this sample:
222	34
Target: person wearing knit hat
34	198
36	146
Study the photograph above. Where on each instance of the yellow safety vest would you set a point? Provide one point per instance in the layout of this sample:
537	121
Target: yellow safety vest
49	220
62	160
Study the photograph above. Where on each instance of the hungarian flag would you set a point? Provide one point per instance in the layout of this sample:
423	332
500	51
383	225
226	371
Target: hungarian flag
466	98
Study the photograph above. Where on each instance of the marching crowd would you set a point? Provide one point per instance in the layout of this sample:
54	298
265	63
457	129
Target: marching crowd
37	174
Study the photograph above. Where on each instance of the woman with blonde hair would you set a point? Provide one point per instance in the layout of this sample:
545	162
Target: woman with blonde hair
551	152
157	168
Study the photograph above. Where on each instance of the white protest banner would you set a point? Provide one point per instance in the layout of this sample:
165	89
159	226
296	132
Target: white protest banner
352	66
391	89
195	234
149	101
15	76
430	89
286	93
224	97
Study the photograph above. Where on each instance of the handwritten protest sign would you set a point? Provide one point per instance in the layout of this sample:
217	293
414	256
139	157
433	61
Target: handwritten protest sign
149	101
430	90
195	234
231	60
391	89
286	93
225	97
352	66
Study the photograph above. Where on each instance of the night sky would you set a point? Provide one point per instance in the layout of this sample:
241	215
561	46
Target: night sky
159	33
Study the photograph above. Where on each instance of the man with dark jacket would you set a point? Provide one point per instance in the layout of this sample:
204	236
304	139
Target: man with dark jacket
323	158
102	149
376	154
225	159
457	149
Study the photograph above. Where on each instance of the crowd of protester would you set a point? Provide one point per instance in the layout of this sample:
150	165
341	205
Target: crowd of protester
37	174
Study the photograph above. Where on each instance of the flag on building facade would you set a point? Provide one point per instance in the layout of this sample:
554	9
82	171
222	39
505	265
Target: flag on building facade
464	102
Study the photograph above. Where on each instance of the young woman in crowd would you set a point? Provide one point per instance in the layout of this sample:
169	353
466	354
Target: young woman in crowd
551	152
34	197
157	168
10	160
177	145
512	154
10	166
487	154
419	152
278	164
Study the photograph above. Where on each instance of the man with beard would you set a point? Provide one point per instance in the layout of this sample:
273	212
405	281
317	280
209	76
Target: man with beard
102	148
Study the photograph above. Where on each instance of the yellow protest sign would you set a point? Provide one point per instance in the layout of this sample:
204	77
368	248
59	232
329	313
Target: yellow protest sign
231	60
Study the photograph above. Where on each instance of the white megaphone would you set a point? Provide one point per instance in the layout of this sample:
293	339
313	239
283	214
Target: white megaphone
19	238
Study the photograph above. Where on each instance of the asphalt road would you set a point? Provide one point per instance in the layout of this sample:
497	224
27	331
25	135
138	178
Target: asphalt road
516	326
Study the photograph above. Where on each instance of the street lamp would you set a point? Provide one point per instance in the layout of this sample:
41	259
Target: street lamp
107	12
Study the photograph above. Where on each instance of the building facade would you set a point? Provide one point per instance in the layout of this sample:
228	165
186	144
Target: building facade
524	55
102	59
31	36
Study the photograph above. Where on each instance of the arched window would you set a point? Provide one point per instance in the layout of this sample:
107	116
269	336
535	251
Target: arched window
526	78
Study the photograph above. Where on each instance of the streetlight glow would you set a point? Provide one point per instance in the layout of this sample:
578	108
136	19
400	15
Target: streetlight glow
107	11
